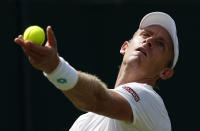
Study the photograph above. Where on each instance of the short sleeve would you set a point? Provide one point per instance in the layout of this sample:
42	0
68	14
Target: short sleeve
132	98
145	104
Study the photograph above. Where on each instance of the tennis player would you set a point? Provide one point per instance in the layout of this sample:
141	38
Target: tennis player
133	105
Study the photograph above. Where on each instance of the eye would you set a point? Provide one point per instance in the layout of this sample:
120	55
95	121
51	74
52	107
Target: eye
145	35
160	44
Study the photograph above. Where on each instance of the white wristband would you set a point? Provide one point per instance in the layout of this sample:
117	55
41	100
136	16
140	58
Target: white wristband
64	77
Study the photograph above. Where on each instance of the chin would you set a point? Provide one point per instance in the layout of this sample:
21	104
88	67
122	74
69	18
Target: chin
134	62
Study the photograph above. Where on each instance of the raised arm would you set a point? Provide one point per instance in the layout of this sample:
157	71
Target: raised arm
89	92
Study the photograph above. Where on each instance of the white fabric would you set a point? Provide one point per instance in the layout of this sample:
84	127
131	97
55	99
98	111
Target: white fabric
164	20
64	77
148	110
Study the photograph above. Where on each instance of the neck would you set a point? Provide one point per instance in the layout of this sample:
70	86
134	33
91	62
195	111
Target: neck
125	76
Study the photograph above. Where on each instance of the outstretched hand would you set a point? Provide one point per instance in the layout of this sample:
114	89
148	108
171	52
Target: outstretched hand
43	58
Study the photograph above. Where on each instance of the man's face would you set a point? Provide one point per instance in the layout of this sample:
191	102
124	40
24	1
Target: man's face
149	52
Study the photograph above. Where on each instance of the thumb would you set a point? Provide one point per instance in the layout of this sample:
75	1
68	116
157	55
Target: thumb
51	37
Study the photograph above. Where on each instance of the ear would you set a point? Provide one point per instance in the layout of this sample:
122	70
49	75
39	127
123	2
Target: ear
166	73
124	47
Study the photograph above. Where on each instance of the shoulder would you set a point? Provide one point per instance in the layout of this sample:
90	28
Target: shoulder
143	100
138	91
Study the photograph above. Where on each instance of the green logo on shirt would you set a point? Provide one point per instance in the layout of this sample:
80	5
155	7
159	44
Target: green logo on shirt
62	80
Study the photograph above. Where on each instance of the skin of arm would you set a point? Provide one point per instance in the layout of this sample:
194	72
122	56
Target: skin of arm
89	93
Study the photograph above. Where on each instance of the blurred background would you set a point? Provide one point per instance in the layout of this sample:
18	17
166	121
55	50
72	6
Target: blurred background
90	34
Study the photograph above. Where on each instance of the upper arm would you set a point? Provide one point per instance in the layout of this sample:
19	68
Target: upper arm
90	94
114	106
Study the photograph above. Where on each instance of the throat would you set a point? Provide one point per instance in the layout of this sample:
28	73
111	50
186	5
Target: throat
125	76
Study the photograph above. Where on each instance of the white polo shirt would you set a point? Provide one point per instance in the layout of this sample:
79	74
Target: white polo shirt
148	109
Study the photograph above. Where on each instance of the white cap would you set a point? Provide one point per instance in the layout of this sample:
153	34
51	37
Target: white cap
164	20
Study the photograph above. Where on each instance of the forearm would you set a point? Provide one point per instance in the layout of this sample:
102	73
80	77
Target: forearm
87	92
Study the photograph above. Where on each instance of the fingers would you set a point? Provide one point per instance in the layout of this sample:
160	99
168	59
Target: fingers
19	40
30	48
41	57
51	37
51	40
36	48
32	54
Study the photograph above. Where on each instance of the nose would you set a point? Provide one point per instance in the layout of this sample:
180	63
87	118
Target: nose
148	42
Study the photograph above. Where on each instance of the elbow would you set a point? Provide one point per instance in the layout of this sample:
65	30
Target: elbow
95	106
93	102
81	107
86	106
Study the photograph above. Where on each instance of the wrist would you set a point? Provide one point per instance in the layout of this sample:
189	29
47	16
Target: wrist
51	68
64	77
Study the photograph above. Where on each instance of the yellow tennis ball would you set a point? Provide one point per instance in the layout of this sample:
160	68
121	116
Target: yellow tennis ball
35	34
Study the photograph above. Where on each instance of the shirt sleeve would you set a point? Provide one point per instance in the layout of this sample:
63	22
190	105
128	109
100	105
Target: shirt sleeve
149	112
141	102
127	93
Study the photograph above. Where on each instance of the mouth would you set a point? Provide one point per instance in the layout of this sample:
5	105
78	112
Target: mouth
142	50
